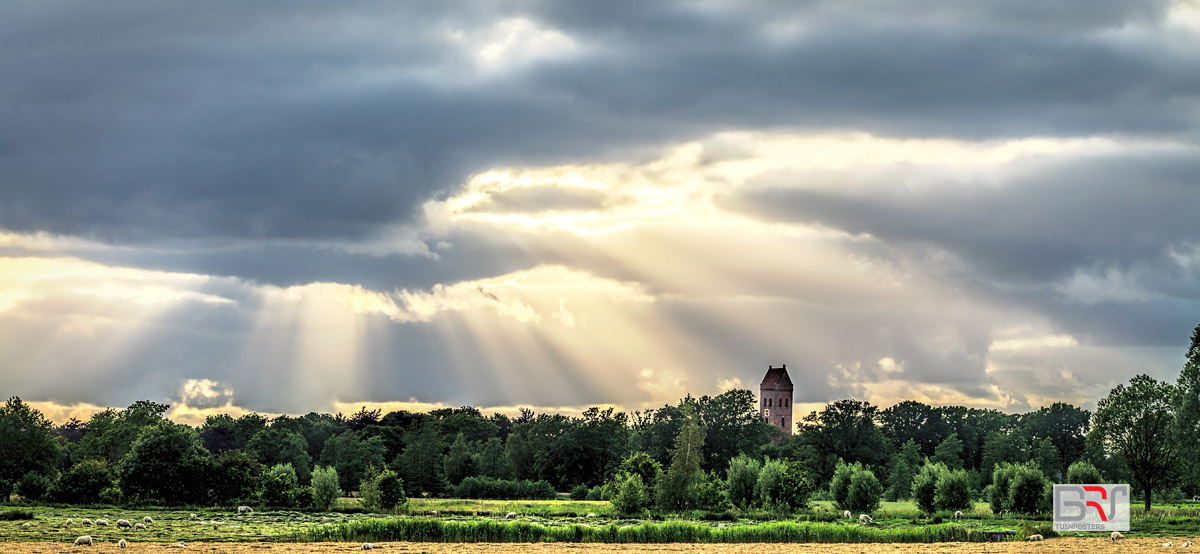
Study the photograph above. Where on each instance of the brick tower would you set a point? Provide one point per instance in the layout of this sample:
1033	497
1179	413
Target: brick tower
775	398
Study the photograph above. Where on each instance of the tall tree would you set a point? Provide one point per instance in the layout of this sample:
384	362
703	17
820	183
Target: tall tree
26	444
949	452
1137	423
905	465
1187	406
1065	425
679	487
732	426
916	421
167	464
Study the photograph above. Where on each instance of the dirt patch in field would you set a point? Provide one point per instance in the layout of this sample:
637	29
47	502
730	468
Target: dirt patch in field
1052	546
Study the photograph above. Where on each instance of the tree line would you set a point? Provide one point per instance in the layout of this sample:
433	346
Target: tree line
709	453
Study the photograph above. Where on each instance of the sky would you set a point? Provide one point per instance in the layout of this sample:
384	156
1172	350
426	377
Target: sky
315	206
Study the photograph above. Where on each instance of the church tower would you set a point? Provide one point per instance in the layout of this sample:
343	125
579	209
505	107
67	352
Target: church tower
775	398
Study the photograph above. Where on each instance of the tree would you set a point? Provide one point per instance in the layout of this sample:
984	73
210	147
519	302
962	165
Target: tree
732	425
28	445
630	495
949	452
421	463
278	485
352	455
864	492
679	487
325	487
915	421
904	467
111	434
457	465
1083	473
280	445
1187	408
770	484
642	464
1002	447
491	461
1047	459
846	430
741	479
924	486
83	483
839	486
953	491
235	477
794	486
1137	423
383	491
1028	491
167	464
1065	426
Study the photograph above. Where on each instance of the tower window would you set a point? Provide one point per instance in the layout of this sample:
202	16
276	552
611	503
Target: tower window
769	402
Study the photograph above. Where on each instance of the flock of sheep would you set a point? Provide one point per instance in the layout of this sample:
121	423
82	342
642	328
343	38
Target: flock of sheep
86	540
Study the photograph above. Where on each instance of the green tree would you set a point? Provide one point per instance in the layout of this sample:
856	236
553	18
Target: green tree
383	491
642	464
352	455
949	452
1047	459
742	479
235	477
1187	408
732	425
278	484
491	460
844	430
167	464
1065	426
904	467
953	491
280	445
1001	447
924	486
26	444
864	492
83	483
1137	424
630	495
458	463
111	434
1028	491
1002	477
421	463
1083	472
794	487
679	487
769	489
915	421
325	487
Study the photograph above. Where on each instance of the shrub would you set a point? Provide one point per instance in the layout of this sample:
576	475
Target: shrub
953	491
83	482
325	487
276	486
839	486
711	494
630	495
769	486
864	492
383	491
33	486
741	479
502	489
1027	491
1001	479
924	486
579	492
1082	473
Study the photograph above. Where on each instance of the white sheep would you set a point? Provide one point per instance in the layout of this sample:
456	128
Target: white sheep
122	544
69	522
1186	544
85	540
1117	536
591	515
147	519
1168	543
846	514
510	515
958	515
139	526
85	521
366	546
191	516
245	510
181	544
103	522
122	523
26	524
1034	538
864	518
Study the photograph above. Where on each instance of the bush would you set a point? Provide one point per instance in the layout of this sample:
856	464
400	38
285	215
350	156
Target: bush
924	486
863	493
794	486
769	488
741	479
325	487
599	492
15	514
579	492
112	495
953	491
839	485
384	491
1001	479
501	489
1083	473
83	482
33	486
711	494
630	495
1027	491
276	486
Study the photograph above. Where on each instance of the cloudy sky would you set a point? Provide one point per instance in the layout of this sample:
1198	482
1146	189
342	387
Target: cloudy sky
319	206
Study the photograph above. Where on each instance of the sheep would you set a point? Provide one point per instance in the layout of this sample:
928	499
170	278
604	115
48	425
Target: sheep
591	515
26	524
510	515
1186	544
181	544
85	540
69	522
147	519
245	510
85	521
103	522
958	515
1034	538
846	514
122	523
191	516
122	544
1117	536
864	518
139	526
366	546
1168	543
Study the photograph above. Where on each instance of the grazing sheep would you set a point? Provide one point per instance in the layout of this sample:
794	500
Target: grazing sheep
510	515
957	515
846	514
366	546
103	522
181	544
85	540
1034	538
1166	544
245	510
1186	544
26	524
138	526
864	518
85	521
1117	536
191	516
122	544
591	515
147	519
122	523
69	522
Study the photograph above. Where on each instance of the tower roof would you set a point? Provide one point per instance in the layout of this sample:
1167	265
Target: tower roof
776	378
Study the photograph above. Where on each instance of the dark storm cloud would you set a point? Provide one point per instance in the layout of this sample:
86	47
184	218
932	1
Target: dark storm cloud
141	121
